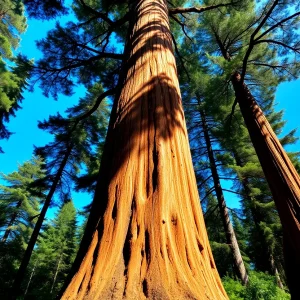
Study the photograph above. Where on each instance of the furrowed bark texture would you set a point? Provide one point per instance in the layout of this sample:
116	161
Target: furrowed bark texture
266	262
146	238
282	177
228	228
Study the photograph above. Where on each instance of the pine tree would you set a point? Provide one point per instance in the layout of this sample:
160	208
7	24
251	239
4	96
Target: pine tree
145	127
19	203
262	48
18	200
75	138
54	254
12	77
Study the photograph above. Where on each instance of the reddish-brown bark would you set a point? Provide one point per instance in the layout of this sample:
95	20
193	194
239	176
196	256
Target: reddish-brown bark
282	177
146	238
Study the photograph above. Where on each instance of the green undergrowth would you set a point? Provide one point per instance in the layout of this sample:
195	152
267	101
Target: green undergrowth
261	286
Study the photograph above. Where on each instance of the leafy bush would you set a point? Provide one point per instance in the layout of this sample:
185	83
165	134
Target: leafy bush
261	286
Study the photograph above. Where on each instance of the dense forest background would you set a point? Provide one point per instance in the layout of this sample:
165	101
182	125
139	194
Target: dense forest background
45	200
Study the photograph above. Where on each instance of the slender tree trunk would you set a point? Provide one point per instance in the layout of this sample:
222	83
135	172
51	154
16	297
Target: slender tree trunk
30	278
228	228
56	272
146	238
282	177
275	272
11	222
26	258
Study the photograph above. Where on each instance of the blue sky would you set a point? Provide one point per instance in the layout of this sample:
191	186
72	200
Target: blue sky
37	107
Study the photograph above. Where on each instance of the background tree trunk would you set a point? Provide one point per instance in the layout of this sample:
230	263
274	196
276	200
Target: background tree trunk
228	228
146	237
282	177
34	236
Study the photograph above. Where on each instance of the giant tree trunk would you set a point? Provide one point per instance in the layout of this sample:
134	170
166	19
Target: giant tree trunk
146	238
282	177
228	228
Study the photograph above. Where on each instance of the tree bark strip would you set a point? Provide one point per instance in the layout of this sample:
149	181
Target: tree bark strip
228	228
146	238
282	177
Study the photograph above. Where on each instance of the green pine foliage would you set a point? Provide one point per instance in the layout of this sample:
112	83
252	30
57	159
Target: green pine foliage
19	204
54	254
12	24
14	71
89	51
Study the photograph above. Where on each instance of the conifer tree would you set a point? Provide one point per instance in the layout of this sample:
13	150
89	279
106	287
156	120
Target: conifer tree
18	200
54	254
262	47
88	55
13	70
75	137
19	204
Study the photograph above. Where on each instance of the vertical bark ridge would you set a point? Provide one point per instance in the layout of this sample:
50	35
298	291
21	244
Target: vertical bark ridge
157	214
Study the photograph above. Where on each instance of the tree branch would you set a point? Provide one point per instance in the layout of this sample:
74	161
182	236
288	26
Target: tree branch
96	13
252	37
278	43
84	62
278	24
180	10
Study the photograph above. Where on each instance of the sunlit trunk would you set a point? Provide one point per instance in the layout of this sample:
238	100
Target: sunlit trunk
282	177
146	238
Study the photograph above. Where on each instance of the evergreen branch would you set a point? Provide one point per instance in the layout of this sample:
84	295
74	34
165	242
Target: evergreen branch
207	194
96	105
204	181
96	13
252	39
206	215
236	214
264	20
278	43
180	10
83	62
275	67
229	118
180	57
112	24
278	24
182	26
